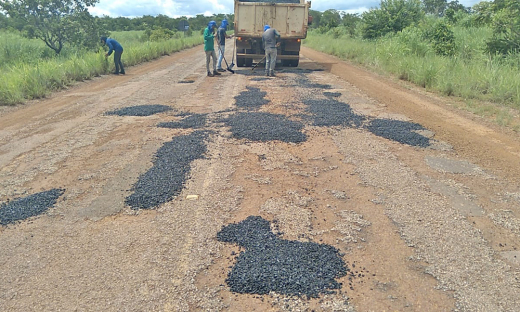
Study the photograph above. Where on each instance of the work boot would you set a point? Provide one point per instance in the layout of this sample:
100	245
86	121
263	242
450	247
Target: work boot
221	69
271	73
266	73
210	74
216	73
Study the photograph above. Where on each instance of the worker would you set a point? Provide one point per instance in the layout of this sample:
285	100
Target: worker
209	48
221	41
269	39
114	46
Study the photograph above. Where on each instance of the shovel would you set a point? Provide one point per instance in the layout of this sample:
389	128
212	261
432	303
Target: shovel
228	67
258	63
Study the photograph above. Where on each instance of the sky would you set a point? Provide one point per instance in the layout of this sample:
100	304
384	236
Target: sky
177	8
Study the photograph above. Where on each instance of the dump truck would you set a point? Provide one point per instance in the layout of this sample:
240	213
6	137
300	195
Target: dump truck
289	17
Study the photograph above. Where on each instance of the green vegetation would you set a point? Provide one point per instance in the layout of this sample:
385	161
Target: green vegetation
30	71
469	53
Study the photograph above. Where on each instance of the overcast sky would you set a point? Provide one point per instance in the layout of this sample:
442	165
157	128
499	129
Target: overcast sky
177	8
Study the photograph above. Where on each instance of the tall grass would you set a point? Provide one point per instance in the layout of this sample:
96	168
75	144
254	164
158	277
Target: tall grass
33	72
470	73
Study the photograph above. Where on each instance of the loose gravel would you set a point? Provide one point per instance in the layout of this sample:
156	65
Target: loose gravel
195	121
265	127
169	173
26	207
330	112
286	267
140	110
400	131
253	99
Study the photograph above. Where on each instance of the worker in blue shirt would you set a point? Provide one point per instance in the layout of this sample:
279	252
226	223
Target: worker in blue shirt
114	46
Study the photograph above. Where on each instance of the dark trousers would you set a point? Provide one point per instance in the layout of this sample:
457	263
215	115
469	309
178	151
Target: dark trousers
118	63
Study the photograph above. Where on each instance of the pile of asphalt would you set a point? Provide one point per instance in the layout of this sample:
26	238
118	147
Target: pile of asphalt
270	263
253	98
167	177
330	112
26	207
194	121
399	131
140	110
258	126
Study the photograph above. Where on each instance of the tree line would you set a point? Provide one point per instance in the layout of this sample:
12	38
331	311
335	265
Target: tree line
59	22
393	16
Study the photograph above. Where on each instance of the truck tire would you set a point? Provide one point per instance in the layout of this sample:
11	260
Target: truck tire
294	63
249	62
241	61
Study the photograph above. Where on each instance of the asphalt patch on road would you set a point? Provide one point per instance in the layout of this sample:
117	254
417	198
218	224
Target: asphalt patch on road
270	263
330	112
257	126
399	131
332	94
304	82
171	167
195	121
26	207
140	110
251	99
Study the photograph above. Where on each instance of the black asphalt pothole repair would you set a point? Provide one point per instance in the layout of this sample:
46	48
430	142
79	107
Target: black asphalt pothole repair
140	110
330	112
195	121
265	127
399	131
253	99
270	263
169	173
26	207
332	94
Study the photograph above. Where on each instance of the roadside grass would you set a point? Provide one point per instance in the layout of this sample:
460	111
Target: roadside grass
469	74
35	72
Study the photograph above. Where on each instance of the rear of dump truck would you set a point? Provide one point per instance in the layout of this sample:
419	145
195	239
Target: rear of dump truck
289	17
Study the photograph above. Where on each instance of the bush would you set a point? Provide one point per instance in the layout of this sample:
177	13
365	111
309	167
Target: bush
506	29
443	39
392	16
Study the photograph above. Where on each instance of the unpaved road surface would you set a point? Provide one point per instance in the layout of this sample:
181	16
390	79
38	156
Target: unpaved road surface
420	201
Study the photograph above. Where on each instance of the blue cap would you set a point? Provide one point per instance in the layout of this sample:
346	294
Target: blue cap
224	23
266	27
212	24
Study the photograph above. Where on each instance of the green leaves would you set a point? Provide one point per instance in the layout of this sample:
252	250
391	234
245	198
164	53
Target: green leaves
391	17
55	21
505	23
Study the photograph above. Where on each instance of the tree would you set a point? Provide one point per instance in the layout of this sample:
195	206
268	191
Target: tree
350	21
3	21
435	7
506	28
330	18
316	18
391	17
54	21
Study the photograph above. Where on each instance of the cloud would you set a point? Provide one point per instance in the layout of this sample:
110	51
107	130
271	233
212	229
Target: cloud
176	8
133	8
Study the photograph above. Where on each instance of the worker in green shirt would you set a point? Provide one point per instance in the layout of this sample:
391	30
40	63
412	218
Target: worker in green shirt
209	48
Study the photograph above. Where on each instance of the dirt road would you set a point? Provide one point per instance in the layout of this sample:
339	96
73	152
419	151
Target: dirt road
418	203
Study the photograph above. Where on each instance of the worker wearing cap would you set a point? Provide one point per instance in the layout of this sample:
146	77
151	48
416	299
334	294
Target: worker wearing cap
269	39
209	48
114	46
221	41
